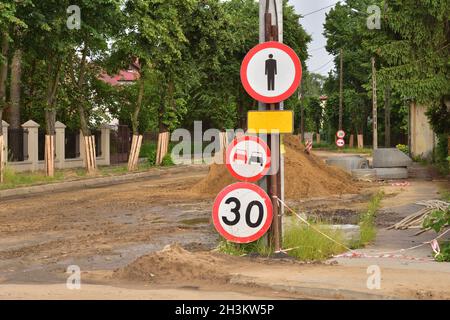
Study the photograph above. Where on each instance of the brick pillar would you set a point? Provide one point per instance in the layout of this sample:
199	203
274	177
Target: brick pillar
5	137
60	144
32	143
105	152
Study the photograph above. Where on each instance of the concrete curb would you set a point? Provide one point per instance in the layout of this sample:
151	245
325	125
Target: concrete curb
96	182
316	293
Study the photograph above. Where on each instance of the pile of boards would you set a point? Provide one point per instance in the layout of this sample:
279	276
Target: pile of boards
415	221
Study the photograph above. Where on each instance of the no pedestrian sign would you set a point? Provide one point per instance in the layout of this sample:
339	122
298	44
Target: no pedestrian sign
248	158
271	72
242	212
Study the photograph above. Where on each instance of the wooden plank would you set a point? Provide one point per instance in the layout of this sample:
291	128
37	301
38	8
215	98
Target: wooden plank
133	152
1	159
88	154
94	158
130	156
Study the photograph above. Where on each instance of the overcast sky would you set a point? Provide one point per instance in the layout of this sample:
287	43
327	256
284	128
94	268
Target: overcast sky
313	24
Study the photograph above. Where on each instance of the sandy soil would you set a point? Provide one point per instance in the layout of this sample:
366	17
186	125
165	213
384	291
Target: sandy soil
114	235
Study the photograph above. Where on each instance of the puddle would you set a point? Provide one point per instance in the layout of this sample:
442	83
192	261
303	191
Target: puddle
335	216
195	221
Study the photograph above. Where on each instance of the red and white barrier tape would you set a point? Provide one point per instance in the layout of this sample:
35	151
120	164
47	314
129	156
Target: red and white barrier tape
355	254
401	184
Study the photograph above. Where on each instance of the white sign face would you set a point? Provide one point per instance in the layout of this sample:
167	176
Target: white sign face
340	134
340	142
248	158
271	72
242	212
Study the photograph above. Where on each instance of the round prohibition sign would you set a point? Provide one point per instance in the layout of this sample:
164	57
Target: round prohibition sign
248	158
340	143
271	72
242	212
340	134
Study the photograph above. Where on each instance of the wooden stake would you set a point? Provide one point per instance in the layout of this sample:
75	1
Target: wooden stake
163	147
1	159
94	157
130	157
49	155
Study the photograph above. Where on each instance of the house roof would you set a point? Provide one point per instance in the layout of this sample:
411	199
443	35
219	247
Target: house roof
124	76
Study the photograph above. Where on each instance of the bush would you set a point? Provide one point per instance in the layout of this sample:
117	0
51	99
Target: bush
148	150
403	148
438	220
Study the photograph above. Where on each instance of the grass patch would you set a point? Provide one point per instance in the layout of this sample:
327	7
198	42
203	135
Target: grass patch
236	249
14	179
310	245
368	231
333	147
445	195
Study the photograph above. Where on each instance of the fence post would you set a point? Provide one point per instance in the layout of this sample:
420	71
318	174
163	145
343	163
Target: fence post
60	145
5	138
33	142
105	138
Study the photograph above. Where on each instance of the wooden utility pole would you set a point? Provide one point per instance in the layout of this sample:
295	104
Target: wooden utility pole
271	23
387	116
341	87
302	116
374	105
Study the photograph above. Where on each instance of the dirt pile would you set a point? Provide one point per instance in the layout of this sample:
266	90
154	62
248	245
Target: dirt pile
175	264
305	176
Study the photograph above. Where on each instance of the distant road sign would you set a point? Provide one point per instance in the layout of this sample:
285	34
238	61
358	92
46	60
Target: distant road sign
271	72
340	134
248	158
267	121
340	143
242	212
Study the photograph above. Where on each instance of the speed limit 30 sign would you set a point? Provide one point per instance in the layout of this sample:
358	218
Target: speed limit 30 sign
242	212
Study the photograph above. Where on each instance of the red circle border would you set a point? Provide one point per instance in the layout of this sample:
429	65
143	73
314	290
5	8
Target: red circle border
292	88
263	145
218	200
345	134
339	145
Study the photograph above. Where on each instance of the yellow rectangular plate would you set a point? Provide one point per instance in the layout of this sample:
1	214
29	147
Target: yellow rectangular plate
271	121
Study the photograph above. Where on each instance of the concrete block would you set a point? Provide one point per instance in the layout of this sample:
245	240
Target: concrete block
364	174
350	232
390	158
348	163
392	173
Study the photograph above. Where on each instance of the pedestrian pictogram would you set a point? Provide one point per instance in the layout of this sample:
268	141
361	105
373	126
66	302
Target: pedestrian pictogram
271	72
242	212
248	158
340	134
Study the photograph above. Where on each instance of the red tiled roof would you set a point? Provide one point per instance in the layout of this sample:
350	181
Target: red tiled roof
123	76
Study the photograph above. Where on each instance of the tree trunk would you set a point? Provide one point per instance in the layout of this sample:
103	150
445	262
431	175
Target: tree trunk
136	143
89	139
302	122
387	117
3	77
137	109
15	89
50	117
